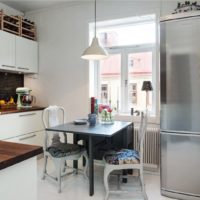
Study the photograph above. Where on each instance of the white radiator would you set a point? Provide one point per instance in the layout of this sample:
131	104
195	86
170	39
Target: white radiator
151	146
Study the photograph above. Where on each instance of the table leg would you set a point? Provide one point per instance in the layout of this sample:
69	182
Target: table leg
75	141
128	136
91	167
125	145
85	144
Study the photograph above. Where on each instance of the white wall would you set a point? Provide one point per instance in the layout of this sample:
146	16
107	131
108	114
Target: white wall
10	11
63	35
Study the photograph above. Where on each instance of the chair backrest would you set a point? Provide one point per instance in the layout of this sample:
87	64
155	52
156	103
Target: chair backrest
52	116
142	132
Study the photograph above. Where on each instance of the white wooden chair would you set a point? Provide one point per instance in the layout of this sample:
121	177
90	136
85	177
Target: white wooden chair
56	150
114	160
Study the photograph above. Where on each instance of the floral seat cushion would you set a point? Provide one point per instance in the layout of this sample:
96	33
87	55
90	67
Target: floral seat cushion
64	149
123	156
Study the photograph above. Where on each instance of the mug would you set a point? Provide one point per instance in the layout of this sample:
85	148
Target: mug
92	119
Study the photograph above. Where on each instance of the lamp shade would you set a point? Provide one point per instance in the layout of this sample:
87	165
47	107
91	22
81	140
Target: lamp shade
94	51
147	86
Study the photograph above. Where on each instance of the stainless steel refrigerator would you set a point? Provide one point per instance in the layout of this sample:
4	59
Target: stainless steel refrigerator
180	106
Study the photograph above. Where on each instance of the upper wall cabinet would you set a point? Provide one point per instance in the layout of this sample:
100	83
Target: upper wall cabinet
18	54
26	55
7	51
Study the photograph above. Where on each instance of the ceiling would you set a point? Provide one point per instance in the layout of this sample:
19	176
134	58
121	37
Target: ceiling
28	5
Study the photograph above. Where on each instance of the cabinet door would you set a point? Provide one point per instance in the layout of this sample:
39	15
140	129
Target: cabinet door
16	124
36	138
26	55
180	164
7	51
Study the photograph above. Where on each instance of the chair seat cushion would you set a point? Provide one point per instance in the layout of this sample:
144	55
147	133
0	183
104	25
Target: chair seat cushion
64	149
123	156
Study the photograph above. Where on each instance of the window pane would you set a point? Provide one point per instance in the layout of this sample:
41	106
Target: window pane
110	77
135	34
139	70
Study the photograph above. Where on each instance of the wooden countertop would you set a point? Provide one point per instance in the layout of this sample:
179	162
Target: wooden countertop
15	110
13	153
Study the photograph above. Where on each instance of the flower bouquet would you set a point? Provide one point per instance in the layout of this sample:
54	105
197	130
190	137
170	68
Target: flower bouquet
105	114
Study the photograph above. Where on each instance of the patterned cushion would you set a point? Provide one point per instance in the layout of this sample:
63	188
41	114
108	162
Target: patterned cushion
123	156
64	149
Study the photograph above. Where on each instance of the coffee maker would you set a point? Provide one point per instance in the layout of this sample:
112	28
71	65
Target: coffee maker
24	99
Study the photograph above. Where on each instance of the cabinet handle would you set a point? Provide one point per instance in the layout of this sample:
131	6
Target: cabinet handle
25	68
10	66
29	114
24	138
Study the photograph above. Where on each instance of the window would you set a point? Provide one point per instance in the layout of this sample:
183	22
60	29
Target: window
141	71
131	44
110	75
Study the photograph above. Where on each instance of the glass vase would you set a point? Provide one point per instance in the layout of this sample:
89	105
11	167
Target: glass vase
106	117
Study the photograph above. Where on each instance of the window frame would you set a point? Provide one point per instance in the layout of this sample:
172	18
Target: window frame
155	73
124	51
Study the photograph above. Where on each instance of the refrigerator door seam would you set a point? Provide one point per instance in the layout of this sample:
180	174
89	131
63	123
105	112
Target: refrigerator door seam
180	132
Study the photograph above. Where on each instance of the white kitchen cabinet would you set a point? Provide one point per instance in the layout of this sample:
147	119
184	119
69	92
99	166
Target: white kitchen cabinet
19	181
26	55
18	53
23	127
7	51
35	138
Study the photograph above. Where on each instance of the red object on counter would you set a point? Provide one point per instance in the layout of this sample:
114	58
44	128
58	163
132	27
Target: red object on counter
92	104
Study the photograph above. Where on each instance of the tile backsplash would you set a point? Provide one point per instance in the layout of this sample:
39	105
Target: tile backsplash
8	84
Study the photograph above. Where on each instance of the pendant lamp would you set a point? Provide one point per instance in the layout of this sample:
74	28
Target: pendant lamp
94	51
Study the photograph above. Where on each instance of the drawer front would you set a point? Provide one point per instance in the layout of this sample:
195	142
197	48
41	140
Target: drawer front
15	124
36	138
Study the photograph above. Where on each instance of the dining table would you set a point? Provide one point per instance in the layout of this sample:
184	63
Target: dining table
91	132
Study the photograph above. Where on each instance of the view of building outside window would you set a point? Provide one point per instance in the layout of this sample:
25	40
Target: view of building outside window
110	77
123	73
130	34
139	70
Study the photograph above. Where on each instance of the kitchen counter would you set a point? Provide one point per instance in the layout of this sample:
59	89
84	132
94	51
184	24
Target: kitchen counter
15	110
13	153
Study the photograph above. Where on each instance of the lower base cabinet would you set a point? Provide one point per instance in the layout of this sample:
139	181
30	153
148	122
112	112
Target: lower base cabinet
23	127
35	138
19	181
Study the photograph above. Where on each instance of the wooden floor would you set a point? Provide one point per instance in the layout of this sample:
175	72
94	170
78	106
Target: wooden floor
75	187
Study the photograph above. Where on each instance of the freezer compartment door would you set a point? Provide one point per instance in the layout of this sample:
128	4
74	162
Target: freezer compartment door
180	75
180	163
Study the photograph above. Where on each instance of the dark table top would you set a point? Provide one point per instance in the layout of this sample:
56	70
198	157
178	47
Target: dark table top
13	153
106	130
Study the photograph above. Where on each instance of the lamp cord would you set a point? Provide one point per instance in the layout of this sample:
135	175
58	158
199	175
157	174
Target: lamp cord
95	16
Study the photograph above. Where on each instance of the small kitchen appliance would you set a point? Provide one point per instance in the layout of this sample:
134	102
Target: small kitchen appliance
24	98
